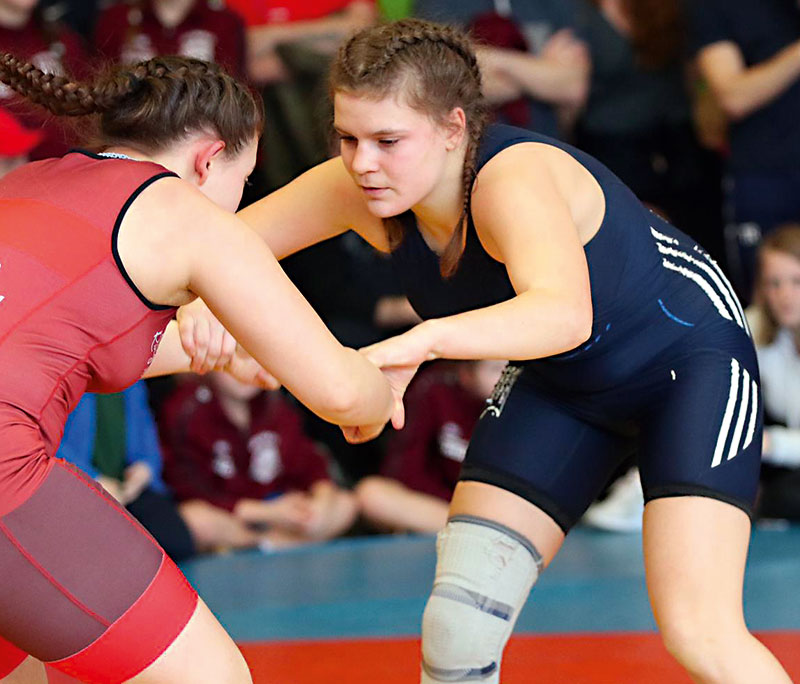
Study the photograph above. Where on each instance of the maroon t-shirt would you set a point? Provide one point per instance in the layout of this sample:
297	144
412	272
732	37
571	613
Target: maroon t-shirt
207	457
426	454
130	34
55	50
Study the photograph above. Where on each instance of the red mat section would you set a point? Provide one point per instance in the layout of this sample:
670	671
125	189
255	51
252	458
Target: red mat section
577	659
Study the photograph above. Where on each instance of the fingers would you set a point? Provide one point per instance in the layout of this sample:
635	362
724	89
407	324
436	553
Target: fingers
228	349
398	415
201	338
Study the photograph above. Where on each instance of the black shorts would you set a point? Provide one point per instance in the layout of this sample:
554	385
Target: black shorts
694	423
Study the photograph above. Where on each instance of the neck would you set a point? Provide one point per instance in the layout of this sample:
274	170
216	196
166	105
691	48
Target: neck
13	18
172	12
439	211
169	159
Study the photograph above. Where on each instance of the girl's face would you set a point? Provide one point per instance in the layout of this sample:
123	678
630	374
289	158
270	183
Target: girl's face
780	287
395	154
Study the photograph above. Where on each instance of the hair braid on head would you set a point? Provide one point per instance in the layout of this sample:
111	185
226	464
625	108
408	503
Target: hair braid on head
58	94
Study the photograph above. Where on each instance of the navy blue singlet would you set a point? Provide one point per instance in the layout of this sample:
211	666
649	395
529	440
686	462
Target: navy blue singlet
669	371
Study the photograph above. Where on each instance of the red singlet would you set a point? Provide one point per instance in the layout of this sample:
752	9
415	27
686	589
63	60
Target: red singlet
71	321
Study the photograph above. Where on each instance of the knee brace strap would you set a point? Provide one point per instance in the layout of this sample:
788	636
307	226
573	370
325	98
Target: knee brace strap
484	574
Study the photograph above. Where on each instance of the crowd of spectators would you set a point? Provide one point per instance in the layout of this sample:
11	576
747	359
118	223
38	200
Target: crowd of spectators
694	105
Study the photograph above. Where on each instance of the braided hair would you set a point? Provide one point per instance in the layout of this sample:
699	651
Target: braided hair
149	105
436	68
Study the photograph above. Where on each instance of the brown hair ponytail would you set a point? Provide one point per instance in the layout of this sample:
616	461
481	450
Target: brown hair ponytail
150	105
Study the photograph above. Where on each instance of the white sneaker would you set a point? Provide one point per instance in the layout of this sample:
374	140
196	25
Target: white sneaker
622	509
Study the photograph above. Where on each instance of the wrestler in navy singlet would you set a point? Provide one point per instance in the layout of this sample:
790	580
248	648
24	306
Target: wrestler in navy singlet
669	370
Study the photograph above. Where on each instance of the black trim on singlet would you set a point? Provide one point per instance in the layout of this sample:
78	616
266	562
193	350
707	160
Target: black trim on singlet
115	233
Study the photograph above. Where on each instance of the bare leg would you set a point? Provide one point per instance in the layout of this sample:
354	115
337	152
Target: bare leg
389	504
695	550
203	652
493	503
30	671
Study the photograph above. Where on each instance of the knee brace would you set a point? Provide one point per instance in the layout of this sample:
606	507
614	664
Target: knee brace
484	573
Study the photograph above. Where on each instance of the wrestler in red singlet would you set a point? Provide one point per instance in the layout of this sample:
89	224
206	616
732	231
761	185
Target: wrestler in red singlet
84	587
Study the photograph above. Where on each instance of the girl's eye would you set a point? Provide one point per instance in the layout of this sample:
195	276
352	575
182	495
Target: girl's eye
387	143
347	139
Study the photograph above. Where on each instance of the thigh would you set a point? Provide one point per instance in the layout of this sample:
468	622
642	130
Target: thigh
535	447
89	581
702	433
695	549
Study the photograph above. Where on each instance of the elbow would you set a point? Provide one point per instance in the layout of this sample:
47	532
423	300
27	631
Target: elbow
578	326
734	107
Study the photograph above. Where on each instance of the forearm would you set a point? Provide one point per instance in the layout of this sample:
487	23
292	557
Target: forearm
751	89
784	447
531	325
265	38
544	79
336	510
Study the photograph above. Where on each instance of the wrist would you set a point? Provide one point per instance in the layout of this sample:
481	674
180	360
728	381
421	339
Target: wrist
431	335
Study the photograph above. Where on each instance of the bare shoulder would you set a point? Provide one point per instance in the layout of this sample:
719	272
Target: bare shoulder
538	179
164	226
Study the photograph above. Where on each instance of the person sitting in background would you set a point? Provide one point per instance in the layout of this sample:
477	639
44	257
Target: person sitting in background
775	319
317	25
137	30
29	34
244	472
423	461
16	142
289	46
528	50
113	438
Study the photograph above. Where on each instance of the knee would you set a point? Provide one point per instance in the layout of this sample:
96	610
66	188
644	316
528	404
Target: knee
700	646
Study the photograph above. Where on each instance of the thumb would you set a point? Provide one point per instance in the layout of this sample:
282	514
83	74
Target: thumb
398	415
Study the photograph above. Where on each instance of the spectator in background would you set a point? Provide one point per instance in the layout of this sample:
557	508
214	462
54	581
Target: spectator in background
53	48
244	472
113	438
16	142
80	15
530	51
138	30
776	329
423	461
749	52
289	46
638	117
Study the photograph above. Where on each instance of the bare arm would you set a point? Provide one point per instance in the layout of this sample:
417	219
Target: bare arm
211	253
559	75
320	204
741	90
524	221
264	39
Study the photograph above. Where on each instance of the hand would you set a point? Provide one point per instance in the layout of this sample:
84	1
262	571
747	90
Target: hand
136	478
112	486
289	511
204	338
359	434
399	358
247	370
563	47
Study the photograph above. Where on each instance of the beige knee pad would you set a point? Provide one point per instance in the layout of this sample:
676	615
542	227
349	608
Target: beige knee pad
484	574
